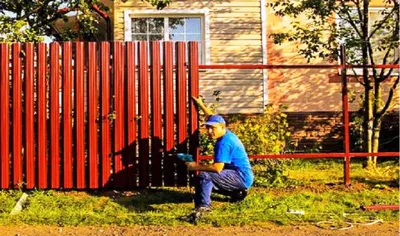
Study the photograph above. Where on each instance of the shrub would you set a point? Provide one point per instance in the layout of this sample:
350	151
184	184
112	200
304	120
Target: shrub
266	133
262	134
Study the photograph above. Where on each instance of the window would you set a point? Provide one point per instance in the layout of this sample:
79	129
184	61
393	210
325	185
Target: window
381	37
142	26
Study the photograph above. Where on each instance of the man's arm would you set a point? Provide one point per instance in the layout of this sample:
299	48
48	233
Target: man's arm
215	167
207	111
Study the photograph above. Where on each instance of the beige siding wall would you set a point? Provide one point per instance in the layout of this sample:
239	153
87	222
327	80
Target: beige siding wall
305	90
235	37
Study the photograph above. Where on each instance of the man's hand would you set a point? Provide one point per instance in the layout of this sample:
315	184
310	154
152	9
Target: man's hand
215	167
199	101
191	165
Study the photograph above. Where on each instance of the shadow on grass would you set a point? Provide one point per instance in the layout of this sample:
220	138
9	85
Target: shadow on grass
146	199
375	183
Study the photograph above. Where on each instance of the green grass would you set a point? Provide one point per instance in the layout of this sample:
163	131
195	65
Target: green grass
314	187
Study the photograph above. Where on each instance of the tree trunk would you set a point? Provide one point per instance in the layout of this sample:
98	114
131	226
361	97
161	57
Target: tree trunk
375	139
368	122
368	102
377	120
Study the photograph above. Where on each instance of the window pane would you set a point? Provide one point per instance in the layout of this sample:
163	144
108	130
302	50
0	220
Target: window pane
193	25
139	25
155	37
349	35
176	25
139	37
177	37
156	25
383	38
193	37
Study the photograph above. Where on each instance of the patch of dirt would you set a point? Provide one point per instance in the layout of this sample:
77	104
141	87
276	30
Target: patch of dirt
381	229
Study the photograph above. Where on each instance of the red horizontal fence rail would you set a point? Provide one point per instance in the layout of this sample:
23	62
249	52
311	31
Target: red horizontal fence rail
98	115
316	155
345	109
291	66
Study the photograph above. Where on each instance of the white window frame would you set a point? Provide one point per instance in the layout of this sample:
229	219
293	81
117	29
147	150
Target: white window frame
202	13
359	71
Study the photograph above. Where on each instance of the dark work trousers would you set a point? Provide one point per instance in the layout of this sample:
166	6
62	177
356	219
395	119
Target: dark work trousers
226	181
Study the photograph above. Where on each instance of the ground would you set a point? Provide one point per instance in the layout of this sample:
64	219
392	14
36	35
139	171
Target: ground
380	229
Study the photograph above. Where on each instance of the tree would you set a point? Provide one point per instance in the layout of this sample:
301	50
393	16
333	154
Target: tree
23	21
367	41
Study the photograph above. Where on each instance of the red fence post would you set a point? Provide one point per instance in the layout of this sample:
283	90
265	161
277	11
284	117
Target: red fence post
181	110
67	113
29	114
345	103
79	122
105	110
42	114
55	114
144	115
17	115
168	115
4	116
92	116
131	112
194	92
156	131
120	178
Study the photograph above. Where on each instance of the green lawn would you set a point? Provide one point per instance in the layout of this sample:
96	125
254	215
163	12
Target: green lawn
313	187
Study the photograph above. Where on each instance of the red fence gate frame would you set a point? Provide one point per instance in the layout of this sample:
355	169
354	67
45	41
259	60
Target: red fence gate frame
345	110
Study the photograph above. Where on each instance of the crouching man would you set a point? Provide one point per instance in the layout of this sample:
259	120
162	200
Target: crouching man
230	174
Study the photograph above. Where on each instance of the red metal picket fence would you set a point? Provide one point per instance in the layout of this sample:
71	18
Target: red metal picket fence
78	115
110	115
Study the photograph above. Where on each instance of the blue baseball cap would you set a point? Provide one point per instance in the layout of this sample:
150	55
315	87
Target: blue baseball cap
214	119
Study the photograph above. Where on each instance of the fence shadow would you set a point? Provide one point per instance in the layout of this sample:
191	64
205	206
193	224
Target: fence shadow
124	186
147	199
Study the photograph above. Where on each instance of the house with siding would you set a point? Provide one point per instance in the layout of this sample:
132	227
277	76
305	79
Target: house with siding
237	32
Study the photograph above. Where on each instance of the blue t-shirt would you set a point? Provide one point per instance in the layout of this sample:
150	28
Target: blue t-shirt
229	150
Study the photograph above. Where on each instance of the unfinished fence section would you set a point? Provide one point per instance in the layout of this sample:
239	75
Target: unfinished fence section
86	115
346	155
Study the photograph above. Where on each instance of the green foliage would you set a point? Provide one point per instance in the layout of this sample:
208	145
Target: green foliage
160	4
368	39
262	134
319	35
265	133
30	21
